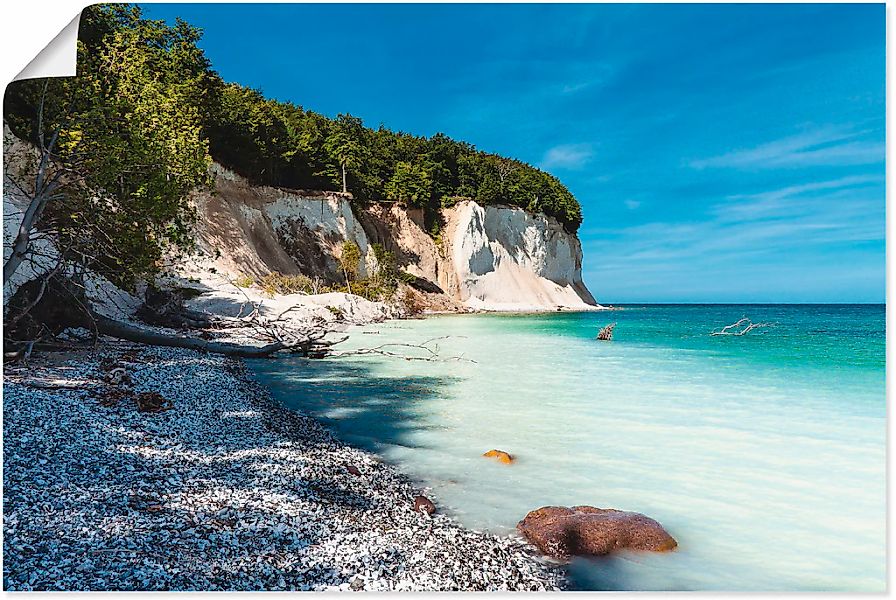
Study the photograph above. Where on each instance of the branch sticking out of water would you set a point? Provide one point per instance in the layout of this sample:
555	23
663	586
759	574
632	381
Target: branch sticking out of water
606	333
432	351
741	327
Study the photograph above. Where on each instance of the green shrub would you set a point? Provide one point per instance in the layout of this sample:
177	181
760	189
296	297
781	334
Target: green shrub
350	260
244	281
277	283
372	289
385	261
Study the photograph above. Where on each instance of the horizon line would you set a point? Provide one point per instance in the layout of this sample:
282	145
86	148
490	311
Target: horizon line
876	303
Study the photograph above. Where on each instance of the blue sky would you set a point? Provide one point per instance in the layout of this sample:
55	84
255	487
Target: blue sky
721	153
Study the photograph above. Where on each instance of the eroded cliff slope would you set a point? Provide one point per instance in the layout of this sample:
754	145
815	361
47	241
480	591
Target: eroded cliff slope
487	257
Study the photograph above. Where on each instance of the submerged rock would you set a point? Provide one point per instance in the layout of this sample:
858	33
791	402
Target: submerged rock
561	532
500	456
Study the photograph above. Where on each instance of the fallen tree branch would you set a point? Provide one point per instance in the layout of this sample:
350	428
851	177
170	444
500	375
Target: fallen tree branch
61	303
432	354
132	333
741	327
606	333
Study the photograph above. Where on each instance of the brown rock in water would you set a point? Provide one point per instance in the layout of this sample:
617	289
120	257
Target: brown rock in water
353	470
500	456
424	504
562	532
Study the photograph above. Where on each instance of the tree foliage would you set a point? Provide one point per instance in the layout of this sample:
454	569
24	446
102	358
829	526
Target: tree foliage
350	261
125	138
409	183
138	126
282	144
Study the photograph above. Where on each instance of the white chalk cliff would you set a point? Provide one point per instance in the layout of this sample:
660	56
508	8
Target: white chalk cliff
487	257
508	259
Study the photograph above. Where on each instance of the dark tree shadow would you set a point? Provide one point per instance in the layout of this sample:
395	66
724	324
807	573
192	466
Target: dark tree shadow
362	408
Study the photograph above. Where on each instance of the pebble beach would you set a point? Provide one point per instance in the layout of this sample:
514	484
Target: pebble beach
216	488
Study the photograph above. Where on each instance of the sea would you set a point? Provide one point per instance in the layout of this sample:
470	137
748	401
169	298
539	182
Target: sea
764	454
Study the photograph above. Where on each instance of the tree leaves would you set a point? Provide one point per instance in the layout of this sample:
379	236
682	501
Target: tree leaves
139	124
131	143
411	184
281	144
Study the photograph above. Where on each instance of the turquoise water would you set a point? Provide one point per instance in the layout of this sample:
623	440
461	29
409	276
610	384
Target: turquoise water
763	455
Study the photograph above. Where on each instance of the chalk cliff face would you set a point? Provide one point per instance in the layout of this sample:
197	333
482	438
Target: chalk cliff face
507	259
488	257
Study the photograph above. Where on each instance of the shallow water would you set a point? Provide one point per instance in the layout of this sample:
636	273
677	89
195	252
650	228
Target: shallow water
763	455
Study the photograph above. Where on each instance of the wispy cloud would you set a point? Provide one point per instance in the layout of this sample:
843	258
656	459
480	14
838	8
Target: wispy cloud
790	200
571	88
839	211
632	204
829	146
806	230
567	156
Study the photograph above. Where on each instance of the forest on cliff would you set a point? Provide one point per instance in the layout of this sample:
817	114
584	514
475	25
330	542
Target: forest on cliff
119	148
269	142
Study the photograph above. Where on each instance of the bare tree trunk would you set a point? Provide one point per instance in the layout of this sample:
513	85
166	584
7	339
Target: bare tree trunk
55	303
348	284
23	237
344	182
43	192
131	333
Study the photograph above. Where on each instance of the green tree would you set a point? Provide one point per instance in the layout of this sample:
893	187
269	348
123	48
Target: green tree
120	146
410	183
344	144
387	270
350	261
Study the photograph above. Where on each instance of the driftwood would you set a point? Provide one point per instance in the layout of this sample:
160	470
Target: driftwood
606	333
132	333
431	352
741	327
62	303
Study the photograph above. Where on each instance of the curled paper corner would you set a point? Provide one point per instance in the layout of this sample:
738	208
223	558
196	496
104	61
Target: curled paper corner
59	58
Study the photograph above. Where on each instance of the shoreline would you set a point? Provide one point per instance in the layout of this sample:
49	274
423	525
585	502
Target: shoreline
523	310
227	490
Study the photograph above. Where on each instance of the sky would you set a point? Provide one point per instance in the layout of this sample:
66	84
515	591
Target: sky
721	153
